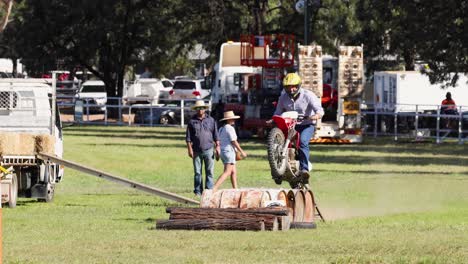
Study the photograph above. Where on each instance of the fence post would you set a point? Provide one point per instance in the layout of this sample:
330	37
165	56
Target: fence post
87	110
375	121
460	125
130	115
416	123
438	125
105	115
151	114
182	113
120	110
395	126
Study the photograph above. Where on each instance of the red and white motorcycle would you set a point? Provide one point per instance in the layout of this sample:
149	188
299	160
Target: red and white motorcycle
283	150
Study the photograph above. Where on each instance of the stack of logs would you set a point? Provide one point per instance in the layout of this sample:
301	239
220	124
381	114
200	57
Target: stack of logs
252	219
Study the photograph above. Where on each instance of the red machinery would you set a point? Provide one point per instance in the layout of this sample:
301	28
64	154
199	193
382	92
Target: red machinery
270	51
259	91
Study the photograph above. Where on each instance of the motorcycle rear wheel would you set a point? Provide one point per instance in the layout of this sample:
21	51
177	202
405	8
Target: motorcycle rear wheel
275	144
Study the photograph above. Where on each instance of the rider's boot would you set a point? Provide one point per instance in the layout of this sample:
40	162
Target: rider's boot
305	176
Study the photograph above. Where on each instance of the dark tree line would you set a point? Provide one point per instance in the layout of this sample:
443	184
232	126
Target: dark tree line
111	37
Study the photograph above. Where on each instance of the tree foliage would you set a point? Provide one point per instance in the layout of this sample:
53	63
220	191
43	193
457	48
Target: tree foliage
108	37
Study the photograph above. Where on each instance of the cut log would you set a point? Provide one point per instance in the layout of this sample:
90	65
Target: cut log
211	224
270	220
270	210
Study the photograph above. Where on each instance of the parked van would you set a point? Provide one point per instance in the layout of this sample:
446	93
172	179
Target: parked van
147	91
189	89
93	93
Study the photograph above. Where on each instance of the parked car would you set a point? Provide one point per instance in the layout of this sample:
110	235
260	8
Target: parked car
189	89
93	93
164	115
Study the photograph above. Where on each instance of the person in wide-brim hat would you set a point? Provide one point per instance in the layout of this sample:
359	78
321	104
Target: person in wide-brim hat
228	115
200	104
229	146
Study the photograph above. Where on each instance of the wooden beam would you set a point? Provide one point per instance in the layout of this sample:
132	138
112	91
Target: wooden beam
117	179
211	224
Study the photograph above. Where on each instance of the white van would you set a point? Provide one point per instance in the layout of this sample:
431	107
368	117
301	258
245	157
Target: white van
144	91
189	89
93	93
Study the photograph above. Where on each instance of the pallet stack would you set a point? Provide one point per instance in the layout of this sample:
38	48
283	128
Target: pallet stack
252	219
310	68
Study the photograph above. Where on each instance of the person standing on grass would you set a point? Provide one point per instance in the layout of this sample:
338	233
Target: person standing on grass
201	138
229	145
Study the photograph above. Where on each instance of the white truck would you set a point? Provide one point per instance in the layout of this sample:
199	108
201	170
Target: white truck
29	125
225	76
401	91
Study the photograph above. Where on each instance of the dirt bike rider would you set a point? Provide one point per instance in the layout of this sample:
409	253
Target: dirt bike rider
308	105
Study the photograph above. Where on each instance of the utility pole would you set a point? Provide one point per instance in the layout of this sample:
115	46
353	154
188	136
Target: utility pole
306	22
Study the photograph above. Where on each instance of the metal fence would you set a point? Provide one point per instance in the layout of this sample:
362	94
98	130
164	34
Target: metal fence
417	122
414	122
116	112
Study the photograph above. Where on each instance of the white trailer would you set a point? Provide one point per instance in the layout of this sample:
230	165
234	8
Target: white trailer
403	91
29	125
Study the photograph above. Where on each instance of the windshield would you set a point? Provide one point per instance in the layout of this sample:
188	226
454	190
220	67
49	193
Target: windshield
184	85
93	89
167	84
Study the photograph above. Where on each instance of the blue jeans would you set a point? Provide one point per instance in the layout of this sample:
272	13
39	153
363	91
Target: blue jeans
199	158
307	131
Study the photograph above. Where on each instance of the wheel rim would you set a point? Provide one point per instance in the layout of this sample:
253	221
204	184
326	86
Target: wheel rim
164	120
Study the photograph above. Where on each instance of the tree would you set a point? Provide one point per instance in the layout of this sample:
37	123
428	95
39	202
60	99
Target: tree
443	40
433	32
102	36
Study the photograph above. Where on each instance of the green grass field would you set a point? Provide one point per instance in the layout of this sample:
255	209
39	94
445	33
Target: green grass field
386	203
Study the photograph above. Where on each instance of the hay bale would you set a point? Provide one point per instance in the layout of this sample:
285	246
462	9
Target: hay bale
45	144
16	144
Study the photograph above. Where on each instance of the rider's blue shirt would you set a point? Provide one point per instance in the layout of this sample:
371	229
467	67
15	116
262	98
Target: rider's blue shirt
306	104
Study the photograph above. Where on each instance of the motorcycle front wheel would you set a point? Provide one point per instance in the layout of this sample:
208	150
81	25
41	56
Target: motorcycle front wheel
277	161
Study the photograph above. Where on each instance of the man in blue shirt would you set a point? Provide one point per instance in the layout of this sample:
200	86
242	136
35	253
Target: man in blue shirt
307	104
201	137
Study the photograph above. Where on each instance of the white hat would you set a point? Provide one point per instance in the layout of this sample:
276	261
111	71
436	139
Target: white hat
229	115
200	104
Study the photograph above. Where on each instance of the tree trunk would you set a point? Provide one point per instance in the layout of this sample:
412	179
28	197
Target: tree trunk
409	57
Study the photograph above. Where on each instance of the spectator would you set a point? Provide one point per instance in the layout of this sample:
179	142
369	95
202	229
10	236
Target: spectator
229	145
201	137
146	74
449	108
448	105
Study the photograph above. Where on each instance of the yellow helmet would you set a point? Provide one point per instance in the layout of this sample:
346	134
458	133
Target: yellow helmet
292	79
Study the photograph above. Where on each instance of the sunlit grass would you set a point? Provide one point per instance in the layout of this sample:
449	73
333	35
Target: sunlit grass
386	202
